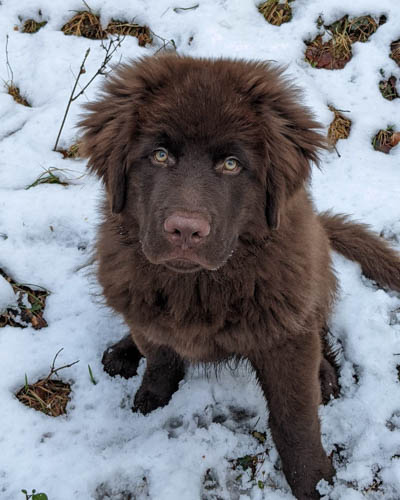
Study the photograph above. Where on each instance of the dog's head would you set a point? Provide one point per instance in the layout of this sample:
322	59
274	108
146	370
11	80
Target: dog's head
196	154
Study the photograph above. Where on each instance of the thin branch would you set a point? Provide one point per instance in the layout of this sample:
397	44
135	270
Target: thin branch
101	71
53	370
113	45
165	43
9	69
87	6
81	71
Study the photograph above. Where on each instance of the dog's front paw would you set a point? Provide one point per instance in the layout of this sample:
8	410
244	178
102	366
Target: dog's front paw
146	401
121	358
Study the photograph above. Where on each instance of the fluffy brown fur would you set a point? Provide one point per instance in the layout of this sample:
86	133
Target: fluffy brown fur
210	247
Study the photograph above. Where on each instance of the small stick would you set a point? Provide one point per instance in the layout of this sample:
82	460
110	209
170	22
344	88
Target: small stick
113	45
54	370
9	69
81	71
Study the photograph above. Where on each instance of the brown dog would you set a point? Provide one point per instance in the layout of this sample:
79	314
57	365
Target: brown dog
210	247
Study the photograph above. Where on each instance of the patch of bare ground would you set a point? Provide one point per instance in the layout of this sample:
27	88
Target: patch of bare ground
88	24
385	140
339	127
388	88
48	395
32	26
395	51
276	12
30	306
85	23
332	49
124	28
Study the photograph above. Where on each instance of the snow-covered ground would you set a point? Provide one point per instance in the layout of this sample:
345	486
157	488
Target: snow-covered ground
185	451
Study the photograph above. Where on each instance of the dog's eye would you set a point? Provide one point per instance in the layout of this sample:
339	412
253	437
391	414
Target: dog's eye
160	155
231	165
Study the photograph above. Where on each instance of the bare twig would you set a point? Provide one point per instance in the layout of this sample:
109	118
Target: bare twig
112	46
9	69
53	370
110	49
165	43
87	6
81	71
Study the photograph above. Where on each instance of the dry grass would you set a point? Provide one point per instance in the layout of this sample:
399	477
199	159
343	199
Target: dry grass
358	29
71	152
395	51
29	309
50	396
15	93
276	12
341	44
332	54
48	177
388	88
339	128
336	52
124	28
385	140
32	26
86	24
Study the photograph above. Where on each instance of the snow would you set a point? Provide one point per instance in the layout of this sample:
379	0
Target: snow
100	449
7	296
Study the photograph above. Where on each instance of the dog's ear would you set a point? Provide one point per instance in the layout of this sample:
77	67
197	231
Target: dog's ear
110	129
290	136
289	154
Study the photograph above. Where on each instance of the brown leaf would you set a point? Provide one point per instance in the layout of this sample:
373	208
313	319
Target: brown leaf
395	139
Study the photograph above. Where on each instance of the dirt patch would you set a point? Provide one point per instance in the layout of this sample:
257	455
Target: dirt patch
276	12
32	26
395	51
358	29
388	88
331	54
124	28
30	306
339	128
385	140
335	52
86	24
48	395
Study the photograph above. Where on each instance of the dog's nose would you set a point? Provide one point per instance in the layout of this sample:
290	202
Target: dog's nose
186	231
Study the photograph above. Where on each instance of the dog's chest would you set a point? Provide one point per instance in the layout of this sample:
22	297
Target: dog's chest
203	330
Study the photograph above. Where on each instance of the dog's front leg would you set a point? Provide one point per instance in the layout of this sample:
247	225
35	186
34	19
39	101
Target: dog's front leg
164	371
289	377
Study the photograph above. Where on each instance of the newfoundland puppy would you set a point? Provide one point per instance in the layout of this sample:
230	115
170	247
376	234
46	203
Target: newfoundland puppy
210	247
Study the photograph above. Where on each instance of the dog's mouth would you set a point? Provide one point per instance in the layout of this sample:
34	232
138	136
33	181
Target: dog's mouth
182	265
187	263
187	260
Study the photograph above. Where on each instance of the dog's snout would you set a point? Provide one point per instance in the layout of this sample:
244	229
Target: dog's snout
186	231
